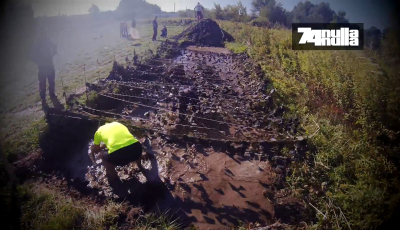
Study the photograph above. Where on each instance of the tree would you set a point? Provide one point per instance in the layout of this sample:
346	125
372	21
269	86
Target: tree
306	12
94	9
217	12
372	37
274	14
257	5
340	17
322	12
242	9
127	8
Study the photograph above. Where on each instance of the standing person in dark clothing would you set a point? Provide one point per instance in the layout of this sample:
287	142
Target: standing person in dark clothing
133	23
43	51
155	27
121	29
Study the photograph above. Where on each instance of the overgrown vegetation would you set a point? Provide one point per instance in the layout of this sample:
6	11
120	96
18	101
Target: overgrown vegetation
348	104
270	12
46	209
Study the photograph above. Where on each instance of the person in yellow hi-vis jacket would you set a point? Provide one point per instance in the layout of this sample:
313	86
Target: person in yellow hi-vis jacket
123	147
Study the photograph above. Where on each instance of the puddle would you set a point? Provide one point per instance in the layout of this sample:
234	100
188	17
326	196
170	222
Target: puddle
214	188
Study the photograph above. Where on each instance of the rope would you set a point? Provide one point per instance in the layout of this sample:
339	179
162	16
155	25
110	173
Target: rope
139	104
198	106
179	75
192	98
219	122
153	84
152	129
138	118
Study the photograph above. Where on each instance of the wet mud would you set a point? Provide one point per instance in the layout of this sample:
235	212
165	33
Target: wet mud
205	33
209	126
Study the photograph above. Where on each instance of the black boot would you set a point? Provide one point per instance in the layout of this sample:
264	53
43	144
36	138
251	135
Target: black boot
45	106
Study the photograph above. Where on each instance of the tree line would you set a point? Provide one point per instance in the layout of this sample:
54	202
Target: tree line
269	13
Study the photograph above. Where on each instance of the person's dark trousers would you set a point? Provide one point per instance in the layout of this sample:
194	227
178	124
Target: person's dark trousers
46	74
154	33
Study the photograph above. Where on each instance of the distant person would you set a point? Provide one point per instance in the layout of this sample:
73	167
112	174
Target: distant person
164	32
126	29
121	29
123	148
42	53
155	27
199	11
133	23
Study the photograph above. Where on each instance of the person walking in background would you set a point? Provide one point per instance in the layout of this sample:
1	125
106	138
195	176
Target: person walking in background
42	53
126	29
155	27
121	29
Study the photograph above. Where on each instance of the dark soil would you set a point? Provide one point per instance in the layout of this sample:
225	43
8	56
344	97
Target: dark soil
205	33
213	131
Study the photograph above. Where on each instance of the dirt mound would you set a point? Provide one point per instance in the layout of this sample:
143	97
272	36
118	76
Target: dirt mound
205	33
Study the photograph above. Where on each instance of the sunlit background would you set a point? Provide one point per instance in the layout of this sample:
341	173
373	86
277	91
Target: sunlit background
369	12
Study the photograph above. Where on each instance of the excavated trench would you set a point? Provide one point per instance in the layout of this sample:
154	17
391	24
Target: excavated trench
214	134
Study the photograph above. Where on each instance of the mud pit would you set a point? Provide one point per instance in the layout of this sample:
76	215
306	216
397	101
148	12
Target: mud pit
211	128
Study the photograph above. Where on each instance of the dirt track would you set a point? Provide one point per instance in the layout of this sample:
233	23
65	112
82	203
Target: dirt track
211	129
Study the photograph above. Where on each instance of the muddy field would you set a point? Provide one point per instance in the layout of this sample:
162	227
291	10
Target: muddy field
208	122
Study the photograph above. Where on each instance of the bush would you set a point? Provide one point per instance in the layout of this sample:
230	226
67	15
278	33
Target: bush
261	22
348	106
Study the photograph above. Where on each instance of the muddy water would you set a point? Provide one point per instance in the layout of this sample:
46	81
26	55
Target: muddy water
214	189
203	184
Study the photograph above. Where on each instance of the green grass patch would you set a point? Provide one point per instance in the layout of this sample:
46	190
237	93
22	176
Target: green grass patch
349	109
236	47
22	118
45	211
158	221
43	208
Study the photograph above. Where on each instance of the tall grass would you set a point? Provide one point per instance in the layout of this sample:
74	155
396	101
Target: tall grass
47	209
348	106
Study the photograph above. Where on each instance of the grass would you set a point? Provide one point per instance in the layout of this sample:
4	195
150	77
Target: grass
158	221
348	107
236	47
48	209
23	121
22	118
